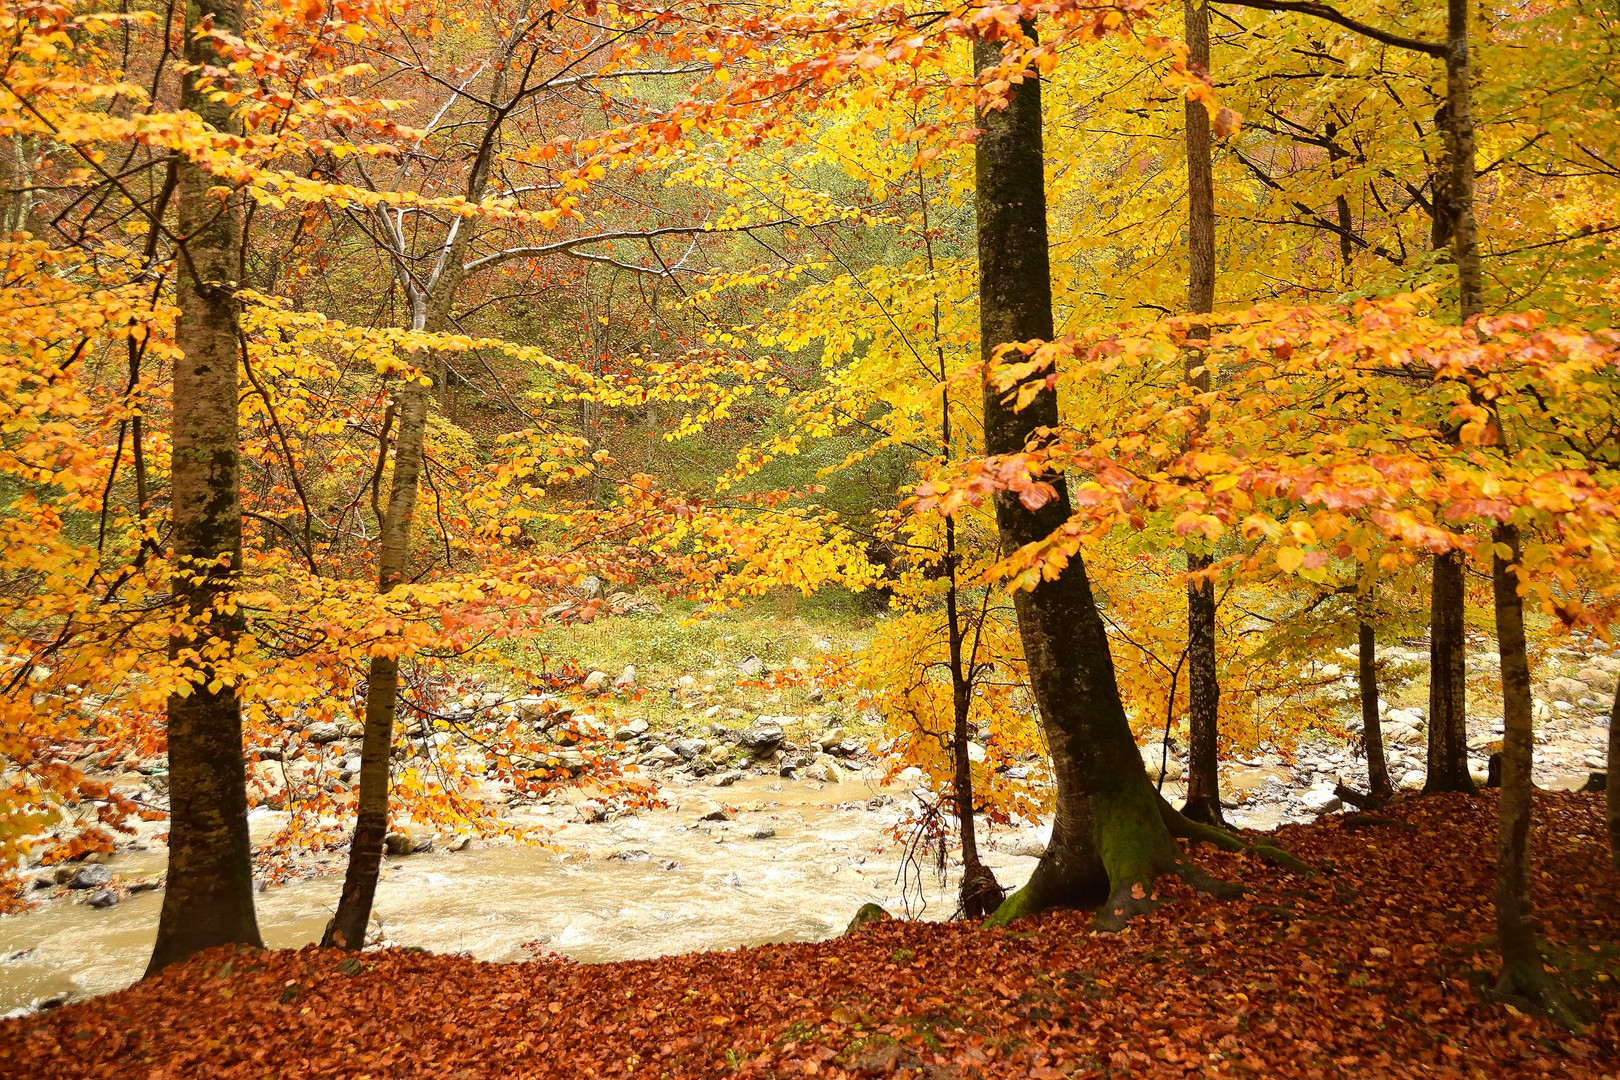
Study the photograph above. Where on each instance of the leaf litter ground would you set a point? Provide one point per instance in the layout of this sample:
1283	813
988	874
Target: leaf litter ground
1371	968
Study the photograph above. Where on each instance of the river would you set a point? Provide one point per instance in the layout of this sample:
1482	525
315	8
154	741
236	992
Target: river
608	896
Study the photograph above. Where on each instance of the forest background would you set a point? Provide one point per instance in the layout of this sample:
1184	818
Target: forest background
344	343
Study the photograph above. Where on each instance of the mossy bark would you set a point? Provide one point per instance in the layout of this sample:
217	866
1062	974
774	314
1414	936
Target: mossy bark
1108	841
208	899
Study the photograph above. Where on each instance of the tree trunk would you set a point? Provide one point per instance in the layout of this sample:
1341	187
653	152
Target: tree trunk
1612	782
1522	969
1203	683
1372	735
347	929
1448	681
1108	838
208	900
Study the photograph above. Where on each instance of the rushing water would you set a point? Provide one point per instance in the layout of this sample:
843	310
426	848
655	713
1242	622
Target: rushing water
609	898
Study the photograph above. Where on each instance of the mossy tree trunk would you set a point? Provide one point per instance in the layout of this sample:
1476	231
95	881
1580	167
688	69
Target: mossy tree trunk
1108	841
208	899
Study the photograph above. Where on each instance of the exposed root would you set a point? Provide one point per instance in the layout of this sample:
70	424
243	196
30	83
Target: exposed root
1357	799
1026	901
1183	828
1135	897
1530	983
981	894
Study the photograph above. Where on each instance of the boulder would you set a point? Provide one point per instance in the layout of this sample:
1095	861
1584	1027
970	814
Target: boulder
635	729
825	769
865	915
93	876
323	731
690	748
833	737
726	779
763	737
537	709
1597	678
1152	756
659	755
1321	801
578	729
976	753
1564	688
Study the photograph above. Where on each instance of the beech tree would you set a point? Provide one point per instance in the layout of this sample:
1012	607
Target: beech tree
209	896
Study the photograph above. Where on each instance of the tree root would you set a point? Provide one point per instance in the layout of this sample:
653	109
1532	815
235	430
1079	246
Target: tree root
1357	799
1134	896
981	894
1530	983
1185	829
1026	901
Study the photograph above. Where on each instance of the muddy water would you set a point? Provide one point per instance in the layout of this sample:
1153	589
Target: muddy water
609	897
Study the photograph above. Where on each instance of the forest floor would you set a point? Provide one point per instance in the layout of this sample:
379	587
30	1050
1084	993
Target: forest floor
1372	967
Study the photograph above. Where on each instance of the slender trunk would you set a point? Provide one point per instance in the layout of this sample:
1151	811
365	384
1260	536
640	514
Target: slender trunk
1523	972
1515	933
1203	683
1454	224
1448	680
1108	838
1372	735
1460	152
1341	203
209	896
1612	782
347	929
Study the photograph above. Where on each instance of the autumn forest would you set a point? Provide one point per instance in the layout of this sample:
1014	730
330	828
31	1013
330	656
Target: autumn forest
664	539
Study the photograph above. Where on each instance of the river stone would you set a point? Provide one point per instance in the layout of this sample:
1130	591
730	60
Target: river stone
690	748
726	779
750	667
580	728
323	731
93	876
633	730
833	737
102	898
713	811
659	755
1151	758
763	737
1597	678
591	811
1321	801
1566	689
824	769
764	832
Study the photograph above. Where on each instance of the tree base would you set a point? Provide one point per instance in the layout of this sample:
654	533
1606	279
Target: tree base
1184	828
1204	809
1529	983
981	894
